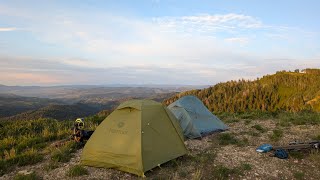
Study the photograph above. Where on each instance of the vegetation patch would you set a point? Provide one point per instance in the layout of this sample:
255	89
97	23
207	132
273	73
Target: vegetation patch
25	142
276	135
222	172
31	176
77	170
299	118
297	154
183	173
228	138
317	137
298	175
232	121
51	165
259	128
64	154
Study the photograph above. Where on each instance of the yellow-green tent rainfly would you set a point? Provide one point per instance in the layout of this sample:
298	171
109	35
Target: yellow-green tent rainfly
138	136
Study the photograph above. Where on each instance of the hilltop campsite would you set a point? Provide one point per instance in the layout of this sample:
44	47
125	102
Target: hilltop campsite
29	147
159	90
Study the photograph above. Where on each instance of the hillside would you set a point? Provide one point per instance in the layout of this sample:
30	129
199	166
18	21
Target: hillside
65	102
283	91
11	104
26	108
59	112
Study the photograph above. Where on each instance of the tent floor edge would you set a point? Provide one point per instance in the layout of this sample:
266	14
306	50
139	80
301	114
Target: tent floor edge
112	166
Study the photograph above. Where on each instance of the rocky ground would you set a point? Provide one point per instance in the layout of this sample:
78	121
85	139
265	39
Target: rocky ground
215	157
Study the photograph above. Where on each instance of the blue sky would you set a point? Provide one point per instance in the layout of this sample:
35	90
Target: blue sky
154	41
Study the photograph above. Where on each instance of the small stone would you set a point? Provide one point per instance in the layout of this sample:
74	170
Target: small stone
25	172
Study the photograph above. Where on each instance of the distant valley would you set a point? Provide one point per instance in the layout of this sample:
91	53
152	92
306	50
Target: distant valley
69	102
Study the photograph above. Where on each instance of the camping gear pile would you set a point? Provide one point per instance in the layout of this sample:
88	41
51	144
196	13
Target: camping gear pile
282	151
79	134
142	134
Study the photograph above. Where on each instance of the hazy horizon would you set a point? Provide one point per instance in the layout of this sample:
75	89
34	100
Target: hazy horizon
117	85
159	42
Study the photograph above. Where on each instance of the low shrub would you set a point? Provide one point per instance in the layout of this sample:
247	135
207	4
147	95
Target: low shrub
4	167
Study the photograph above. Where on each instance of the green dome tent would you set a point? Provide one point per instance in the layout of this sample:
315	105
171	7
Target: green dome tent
138	136
194	118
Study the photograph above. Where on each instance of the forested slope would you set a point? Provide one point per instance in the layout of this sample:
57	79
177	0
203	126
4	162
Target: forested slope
283	91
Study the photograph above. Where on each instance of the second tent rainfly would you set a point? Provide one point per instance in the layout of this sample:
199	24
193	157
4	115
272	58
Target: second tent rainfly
194	118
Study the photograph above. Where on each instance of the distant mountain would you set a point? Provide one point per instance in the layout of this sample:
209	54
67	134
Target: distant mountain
11	104
84	103
74	93
284	91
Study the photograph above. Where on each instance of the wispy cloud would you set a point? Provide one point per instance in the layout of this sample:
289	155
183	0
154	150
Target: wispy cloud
241	40
197	49
4	29
207	23
31	71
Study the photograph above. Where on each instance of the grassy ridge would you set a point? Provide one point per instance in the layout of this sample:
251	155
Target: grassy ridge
25	142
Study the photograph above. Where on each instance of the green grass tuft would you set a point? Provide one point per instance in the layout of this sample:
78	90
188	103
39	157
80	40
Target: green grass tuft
50	166
259	128
77	170
226	139
64	154
32	176
276	135
298	175
222	172
296	154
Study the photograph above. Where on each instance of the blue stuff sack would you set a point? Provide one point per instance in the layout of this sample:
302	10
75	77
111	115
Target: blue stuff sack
264	148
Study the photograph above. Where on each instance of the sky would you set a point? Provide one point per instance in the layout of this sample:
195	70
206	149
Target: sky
196	42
